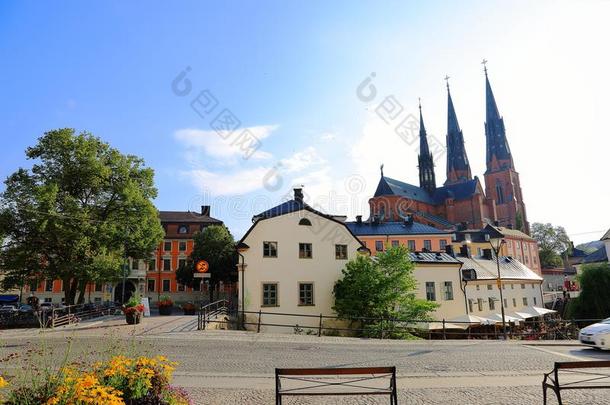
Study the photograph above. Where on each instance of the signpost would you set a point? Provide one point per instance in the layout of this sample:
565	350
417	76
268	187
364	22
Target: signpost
201	272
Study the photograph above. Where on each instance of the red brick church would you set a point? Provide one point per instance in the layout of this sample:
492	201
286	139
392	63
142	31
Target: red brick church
462	198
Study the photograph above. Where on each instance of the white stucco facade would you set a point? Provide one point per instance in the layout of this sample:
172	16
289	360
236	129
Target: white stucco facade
289	272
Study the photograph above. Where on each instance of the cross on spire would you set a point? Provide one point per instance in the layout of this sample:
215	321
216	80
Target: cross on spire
419	100
484	63
447	77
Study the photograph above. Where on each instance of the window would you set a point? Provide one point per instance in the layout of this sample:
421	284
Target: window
269	249
499	193
448	290
270	295
535	303
305	294
152	265
523	286
512	286
430	291
525	301
167	265
533	286
479	252
181	263
395	243
47	299
379	245
305	222
151	285
492	304
135	263
505	302
480	304
167	246
97	300
48	285
489	286
428	245
514	302
305	251
469	305
180	287
182	246
478	287
166	285
411	244
341	252
182	229
526	260
98	287
443	244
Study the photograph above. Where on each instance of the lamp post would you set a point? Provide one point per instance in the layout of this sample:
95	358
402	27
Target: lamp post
496	250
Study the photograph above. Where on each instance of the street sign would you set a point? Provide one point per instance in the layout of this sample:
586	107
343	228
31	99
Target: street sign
202	275
202	266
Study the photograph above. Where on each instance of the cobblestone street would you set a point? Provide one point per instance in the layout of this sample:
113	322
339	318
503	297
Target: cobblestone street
219	367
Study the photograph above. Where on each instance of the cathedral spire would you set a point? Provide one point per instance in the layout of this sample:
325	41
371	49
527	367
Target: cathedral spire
498	151
427	179
458	168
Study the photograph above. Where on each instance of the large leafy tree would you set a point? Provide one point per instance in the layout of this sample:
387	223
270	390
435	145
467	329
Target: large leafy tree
76	214
380	287
593	301
216	246
552	242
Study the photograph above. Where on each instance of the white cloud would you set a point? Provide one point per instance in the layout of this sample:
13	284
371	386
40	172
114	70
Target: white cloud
302	160
234	183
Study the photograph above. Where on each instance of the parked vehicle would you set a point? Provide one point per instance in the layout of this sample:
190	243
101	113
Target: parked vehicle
596	335
8	309
26	308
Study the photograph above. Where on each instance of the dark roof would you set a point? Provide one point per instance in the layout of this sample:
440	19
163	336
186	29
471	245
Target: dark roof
432	257
599	255
459	191
187	217
393	228
434	218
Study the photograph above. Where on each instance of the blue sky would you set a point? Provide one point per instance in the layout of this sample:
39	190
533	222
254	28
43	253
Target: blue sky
289	73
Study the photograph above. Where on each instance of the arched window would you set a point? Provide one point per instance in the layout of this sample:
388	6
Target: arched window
499	193
183	229
305	221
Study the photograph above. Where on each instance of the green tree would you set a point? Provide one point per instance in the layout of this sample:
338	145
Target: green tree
593	301
553	241
77	213
216	246
380	287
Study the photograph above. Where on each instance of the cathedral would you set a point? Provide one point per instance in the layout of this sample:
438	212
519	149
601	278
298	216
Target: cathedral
461	201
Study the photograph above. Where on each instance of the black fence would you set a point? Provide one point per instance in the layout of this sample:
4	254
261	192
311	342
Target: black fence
52	316
546	327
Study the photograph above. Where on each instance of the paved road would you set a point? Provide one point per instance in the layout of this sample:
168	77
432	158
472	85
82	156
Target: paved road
219	367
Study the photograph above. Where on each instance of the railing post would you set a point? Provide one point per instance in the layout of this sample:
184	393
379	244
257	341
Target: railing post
320	327
381	328
258	325
444	330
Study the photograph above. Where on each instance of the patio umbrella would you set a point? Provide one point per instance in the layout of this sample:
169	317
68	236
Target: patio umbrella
507	318
537	311
472	320
439	326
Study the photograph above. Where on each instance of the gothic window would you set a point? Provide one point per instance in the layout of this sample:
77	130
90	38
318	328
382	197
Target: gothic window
499	193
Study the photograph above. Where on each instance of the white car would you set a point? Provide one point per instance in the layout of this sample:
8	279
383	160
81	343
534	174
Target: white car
596	335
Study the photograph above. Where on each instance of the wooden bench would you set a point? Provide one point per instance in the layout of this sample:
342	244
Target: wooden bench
589	379
336	381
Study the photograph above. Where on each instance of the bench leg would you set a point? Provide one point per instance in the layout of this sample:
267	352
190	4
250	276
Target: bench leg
558	396
543	394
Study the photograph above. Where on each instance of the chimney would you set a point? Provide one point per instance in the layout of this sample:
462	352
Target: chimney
205	210
409	220
487	254
359	219
465	251
298	195
449	250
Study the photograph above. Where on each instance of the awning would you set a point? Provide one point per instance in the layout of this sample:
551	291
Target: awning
537	311
523	315
470	320
439	326
507	318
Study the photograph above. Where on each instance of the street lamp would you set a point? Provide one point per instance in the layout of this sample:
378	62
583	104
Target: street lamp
496	250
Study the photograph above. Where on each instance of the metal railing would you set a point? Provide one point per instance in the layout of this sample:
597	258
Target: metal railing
541	328
209	312
71	314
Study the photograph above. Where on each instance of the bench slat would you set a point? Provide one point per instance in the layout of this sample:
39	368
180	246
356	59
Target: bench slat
581	364
334	371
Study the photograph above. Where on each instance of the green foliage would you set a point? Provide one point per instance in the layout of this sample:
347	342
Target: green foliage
380	287
552	242
184	273
594	299
75	215
133	301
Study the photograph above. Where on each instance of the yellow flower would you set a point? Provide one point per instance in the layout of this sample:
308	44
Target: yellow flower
3	382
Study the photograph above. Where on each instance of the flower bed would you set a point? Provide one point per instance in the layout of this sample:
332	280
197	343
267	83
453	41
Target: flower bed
165	305
120	381
133	311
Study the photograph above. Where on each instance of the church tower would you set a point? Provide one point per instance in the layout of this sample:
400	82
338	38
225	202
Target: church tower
427	180
458	168
501	180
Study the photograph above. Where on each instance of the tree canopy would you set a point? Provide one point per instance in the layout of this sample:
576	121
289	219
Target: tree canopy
76	214
553	241
216	246
380	287
593	301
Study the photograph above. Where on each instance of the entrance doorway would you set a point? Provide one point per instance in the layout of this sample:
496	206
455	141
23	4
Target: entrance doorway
130	288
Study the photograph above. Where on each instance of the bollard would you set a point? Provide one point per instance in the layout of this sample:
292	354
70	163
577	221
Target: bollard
320	327
258	325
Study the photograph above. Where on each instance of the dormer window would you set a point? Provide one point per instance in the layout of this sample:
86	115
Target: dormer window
305	221
182	229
